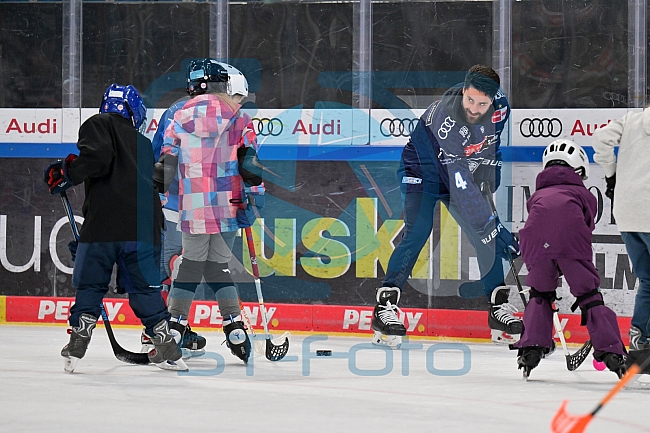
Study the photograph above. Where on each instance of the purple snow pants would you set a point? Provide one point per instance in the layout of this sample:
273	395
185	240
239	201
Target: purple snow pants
582	277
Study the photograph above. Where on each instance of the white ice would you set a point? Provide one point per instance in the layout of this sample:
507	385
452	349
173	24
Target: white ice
327	394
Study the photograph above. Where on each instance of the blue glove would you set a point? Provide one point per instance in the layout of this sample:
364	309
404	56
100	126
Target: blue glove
242	219
505	243
56	175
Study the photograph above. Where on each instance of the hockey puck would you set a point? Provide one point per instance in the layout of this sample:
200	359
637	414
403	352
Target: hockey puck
323	353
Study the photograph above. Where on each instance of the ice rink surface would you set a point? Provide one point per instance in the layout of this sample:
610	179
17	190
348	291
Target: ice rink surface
436	387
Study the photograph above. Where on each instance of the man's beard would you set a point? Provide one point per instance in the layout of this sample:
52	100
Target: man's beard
475	120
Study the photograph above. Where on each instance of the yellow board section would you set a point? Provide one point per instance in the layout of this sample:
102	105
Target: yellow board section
449	241
3	309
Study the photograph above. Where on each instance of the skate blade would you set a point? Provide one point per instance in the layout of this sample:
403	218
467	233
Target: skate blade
392	341
178	365
187	353
640	383
501	337
70	363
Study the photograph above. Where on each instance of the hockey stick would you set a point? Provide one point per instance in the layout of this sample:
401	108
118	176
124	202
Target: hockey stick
259	347
572	361
485	189
120	353
274	352
564	422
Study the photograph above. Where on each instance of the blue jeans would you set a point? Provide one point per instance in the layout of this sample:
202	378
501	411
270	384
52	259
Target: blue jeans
638	248
418	220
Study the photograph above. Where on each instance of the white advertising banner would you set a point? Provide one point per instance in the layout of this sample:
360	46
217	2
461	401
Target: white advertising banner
320	127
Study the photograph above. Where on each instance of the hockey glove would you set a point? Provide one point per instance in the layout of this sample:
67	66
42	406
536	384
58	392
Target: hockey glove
56	175
505	243
164	171
611	183
250	169
488	173
72	246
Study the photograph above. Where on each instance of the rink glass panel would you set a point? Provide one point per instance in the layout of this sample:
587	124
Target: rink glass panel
570	54
419	49
295	43
30	55
137	43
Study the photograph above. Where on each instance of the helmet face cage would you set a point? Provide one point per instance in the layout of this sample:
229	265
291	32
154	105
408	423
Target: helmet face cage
569	152
125	101
204	71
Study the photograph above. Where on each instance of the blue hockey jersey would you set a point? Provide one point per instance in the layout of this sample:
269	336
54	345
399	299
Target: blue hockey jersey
446	154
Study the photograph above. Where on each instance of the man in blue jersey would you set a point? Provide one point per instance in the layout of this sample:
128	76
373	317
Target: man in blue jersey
452	151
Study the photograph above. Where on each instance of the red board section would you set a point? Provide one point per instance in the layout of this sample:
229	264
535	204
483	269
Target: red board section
292	317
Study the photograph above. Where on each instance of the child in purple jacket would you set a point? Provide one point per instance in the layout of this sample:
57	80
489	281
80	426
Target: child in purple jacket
555	241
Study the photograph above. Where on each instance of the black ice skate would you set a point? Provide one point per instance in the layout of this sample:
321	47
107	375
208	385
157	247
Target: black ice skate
237	338
166	354
192	344
79	340
506	328
529	358
613	361
388	329
639	351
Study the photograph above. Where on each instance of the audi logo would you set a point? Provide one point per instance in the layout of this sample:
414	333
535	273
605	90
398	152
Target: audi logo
265	126
540	127
395	127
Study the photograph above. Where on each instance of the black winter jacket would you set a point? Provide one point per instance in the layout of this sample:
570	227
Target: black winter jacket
115	163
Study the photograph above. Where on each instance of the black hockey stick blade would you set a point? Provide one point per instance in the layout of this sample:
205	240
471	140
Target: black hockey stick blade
120	353
575	360
275	352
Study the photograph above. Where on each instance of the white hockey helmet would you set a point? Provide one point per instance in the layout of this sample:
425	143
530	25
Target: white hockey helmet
569	152
237	84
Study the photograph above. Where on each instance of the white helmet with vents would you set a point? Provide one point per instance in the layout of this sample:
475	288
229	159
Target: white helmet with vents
237	84
569	152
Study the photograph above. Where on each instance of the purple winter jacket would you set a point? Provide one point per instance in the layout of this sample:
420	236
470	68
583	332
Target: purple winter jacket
560	217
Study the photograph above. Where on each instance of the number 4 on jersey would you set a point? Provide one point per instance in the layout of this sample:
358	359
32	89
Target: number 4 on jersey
460	182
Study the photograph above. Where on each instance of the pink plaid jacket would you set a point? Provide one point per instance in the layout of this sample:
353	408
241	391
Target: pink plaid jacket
205	136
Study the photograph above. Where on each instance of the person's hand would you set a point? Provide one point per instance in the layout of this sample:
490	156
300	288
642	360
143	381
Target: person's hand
506	244
611	183
72	246
56	176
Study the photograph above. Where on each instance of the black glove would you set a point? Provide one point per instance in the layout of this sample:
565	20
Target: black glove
488	173
164	171
611	183
506	244
72	246
56	176
249	166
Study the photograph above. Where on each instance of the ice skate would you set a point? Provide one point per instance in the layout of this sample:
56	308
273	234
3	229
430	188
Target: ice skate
192	344
79	339
237	338
613	361
166	353
388	329
145	341
506	328
639	350
529	358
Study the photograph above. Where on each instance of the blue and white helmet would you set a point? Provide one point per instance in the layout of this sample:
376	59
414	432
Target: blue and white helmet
125	101
204	71
237	83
